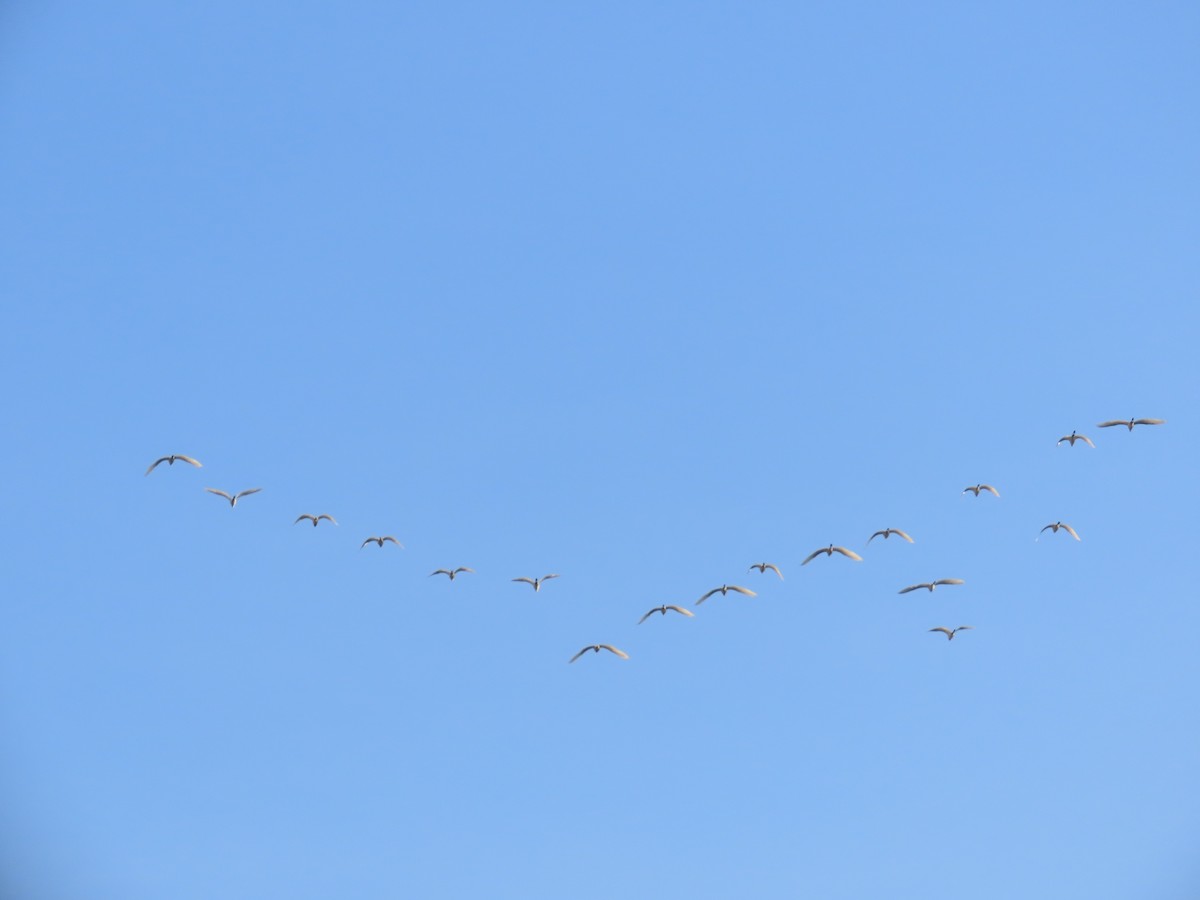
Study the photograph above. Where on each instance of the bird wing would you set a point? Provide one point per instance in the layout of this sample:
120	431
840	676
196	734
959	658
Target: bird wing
241	494
1051	525
741	590
944	630
911	587
850	553
439	572
304	516
548	577
524	579
648	615
188	459
1149	421
949	581
875	535
775	569
988	487
680	609
971	489
155	463
812	556
1111	423
465	569
965	628
221	494
1065	437
1069	530
580	653
709	594
1087	440
327	516
620	653
902	534
388	537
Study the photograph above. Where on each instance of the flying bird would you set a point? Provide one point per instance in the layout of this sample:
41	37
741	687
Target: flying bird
1075	436
170	461
380	540
663	609
762	567
951	632
1129	424
233	499
930	585
315	519
829	551
725	589
597	648
451	572
1054	526
887	532
981	487
537	582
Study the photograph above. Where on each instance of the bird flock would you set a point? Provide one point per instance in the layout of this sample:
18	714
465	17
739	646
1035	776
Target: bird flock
724	589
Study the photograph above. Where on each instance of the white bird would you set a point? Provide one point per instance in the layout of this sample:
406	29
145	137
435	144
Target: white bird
536	582
725	589
380	540
170	461
951	632
763	566
829	551
887	532
930	585
663	609
1076	436
1054	526
233	498
597	648
981	487
451	572
1130	423
315	519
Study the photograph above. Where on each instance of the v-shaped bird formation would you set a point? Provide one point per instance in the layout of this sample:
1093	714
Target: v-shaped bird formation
724	589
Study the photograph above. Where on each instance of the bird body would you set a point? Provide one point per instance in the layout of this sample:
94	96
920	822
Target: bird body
170	461
887	532
762	567
233	498
380	540
1131	422
981	487
451	572
725	589
597	648
1054	526
930	585
950	632
663	609
536	582
315	519
829	551
1075	436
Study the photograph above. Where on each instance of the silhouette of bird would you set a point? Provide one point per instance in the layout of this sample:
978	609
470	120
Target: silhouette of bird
315	519
536	582
1075	436
829	551
663	609
762	567
951	632
1054	526
887	532
380	540
170	461
451	572
597	648
981	487
930	585
1129	424
233	498
725	589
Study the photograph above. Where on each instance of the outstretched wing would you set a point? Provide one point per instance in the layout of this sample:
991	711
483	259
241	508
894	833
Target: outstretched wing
709	594
965	628
620	653
241	494
1087	440
911	587
580	653
680	609
188	459
220	494
775	569
524	579
465	569
1111	423
949	581
388	537
902	534
988	487
155	463
741	590
812	556
1149	421
327	516
548	577
439	572
944	630
649	614
368	541
304	516
850	553
1069	530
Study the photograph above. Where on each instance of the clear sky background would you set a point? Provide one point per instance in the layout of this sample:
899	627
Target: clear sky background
639	294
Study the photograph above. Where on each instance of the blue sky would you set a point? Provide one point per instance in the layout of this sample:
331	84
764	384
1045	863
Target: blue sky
637	294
